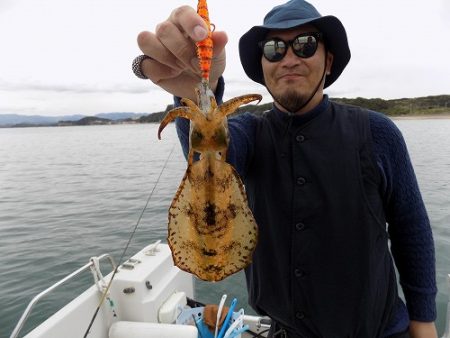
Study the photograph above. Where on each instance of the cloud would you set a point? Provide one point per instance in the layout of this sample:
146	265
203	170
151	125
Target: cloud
52	61
445	12
5	5
106	88
53	100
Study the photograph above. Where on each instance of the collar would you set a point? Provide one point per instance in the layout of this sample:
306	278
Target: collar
301	119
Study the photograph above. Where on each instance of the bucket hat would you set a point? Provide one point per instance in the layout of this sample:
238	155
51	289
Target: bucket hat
292	14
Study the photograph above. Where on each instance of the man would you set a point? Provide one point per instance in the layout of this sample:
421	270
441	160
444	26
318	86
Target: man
322	179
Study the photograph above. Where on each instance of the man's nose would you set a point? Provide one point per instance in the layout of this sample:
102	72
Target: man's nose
291	57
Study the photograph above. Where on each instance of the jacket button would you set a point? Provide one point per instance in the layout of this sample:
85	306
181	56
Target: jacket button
300	315
301	180
300	138
300	226
299	273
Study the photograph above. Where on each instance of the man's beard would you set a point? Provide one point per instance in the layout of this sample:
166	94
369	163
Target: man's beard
291	100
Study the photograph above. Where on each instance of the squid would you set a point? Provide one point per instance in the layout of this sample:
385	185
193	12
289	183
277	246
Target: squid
211	230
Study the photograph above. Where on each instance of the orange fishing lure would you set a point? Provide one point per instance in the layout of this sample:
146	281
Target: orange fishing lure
205	47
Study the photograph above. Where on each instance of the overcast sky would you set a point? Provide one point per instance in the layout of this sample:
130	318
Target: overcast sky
60	57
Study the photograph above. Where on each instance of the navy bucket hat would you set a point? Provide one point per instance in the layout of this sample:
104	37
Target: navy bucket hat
292	14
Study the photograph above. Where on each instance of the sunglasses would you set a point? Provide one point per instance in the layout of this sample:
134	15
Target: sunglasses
303	45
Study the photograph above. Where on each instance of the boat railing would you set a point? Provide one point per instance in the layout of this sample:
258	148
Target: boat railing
44	293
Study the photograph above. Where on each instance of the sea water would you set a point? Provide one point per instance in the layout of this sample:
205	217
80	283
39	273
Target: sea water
69	193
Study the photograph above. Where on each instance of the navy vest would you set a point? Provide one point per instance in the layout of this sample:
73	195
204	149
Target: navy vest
322	267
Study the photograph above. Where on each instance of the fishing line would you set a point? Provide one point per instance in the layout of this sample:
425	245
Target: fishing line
104	295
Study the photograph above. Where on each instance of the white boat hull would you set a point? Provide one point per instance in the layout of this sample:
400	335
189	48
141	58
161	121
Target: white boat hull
145	299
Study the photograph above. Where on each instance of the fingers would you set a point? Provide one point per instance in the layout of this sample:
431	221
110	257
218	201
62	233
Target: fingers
172	46
157	72
176	43
189	22
220	39
174	65
219	59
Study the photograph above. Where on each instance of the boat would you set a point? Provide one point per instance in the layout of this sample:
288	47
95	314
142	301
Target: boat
148	297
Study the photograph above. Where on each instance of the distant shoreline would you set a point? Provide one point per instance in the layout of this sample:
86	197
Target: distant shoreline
444	116
417	108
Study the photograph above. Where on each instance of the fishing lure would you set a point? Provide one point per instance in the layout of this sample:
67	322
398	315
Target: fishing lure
205	47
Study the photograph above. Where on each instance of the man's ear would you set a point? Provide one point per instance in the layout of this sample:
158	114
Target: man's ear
330	58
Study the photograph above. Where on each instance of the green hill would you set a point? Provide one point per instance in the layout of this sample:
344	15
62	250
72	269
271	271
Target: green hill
428	105
418	106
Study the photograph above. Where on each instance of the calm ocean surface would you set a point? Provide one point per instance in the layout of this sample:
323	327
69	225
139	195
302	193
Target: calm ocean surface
70	193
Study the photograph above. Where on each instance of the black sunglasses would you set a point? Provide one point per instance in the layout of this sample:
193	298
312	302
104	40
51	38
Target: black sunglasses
303	45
